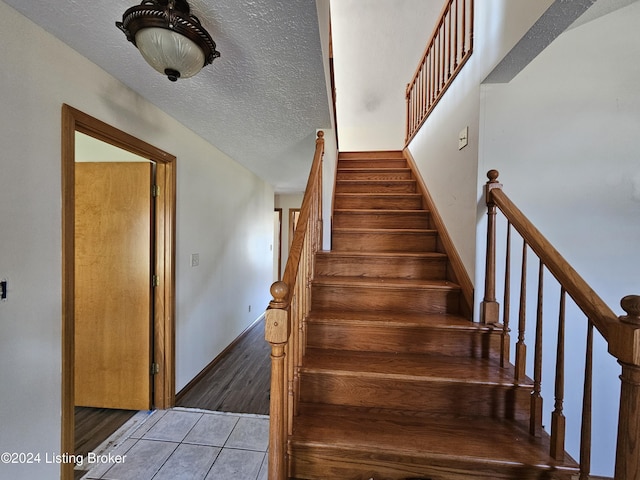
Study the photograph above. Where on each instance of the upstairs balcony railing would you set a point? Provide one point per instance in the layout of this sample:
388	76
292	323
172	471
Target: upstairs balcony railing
621	334
449	48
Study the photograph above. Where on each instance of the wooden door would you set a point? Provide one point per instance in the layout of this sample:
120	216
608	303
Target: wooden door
113	291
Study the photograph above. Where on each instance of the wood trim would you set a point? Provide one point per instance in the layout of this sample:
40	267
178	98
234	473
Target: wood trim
205	371
458	271
67	441
164	296
291	226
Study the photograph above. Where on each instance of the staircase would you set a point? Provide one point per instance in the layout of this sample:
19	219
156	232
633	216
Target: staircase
396	381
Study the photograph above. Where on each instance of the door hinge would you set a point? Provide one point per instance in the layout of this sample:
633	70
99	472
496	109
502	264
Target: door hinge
155	368
155	191
155	281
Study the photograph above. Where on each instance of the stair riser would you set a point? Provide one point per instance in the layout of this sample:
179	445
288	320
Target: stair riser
473	344
355	219
328	463
372	163
417	300
381	267
373	174
386	202
398	186
494	401
353	241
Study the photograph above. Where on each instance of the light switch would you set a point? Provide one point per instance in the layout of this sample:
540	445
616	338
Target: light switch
463	138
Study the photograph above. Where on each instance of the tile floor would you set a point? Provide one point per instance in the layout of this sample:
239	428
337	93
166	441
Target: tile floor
181	444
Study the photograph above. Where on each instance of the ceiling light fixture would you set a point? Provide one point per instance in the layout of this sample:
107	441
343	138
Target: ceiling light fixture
169	37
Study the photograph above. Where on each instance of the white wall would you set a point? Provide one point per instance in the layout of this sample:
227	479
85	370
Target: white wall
224	214
377	46
329	166
330	158
563	134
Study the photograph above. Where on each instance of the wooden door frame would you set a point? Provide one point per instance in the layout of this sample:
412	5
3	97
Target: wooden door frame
292	226
74	121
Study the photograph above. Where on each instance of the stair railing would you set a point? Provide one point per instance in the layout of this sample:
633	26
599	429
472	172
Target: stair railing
285	323
621	334
449	48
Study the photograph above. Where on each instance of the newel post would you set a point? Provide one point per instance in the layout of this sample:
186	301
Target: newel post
490	308
625	346
277	330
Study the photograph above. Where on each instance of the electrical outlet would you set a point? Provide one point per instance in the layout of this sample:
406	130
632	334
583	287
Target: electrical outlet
249	308
195	259
3	289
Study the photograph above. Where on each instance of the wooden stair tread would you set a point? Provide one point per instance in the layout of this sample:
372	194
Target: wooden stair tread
378	211
387	255
386	230
422	437
367	318
391	283
378	194
380	200
372	169
376	181
423	368
367	155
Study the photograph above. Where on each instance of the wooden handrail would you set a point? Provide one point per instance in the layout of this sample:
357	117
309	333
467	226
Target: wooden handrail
449	48
584	296
286	316
295	251
621	334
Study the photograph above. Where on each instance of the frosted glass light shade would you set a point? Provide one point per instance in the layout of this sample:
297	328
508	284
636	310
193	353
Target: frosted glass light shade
166	50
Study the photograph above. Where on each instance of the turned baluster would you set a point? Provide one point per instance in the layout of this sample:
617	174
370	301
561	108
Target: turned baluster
443	52
456	22
521	347
463	30
434	69
505	337
587	402
535	424
277	331
558	420
625	346
490	308
449	39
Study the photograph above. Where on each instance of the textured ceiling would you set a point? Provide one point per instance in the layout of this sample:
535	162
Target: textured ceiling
260	102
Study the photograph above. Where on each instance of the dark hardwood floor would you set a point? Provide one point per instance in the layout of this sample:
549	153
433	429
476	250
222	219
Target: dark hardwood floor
238	382
94	425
